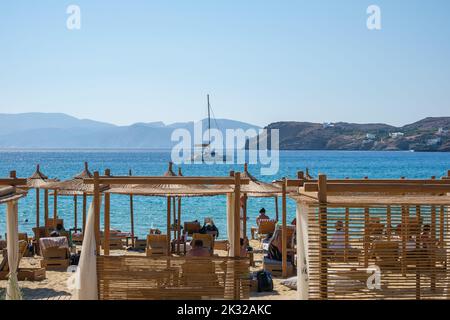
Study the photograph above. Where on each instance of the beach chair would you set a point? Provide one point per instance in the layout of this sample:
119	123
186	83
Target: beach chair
30	274
199	275
265	228
387	255
55	253
49	223
207	239
192	227
157	245
55	258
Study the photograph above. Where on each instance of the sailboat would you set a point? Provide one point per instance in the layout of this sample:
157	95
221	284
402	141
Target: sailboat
206	154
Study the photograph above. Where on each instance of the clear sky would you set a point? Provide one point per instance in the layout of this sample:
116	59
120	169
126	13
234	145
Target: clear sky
261	61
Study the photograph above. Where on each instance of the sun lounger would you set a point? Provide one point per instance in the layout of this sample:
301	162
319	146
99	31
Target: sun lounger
265	228
30	274
207	239
157	245
192	227
275	267
55	253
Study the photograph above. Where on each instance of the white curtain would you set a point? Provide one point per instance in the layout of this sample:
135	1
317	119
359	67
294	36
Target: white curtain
302	252
12	289
86	274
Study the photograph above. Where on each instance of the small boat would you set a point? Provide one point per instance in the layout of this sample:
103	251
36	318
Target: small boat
205	153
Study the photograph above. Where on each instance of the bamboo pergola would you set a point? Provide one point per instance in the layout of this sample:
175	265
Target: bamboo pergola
176	186
411	258
173	192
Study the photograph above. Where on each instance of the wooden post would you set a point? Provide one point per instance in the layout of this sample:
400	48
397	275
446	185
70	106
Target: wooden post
169	201
55	207
179	226
237	232
388	223
237	214
322	197
434	248
107	225
75	210
276	208
84	210
97	210
284	231
45	207
346	233
244	217
132	215
366	236
174	212
38	191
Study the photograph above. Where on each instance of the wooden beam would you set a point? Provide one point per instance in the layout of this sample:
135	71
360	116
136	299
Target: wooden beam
276	208
400	188
237	214
244	217
323	224
107	225
284	231
84	210
75	211
132	215
55	208
37	210
169	202
167	180
45	207
97	210
13	181
179	226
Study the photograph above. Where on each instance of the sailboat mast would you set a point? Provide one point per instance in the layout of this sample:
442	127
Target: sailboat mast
209	119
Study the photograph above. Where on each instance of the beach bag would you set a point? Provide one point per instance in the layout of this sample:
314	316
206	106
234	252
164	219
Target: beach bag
265	282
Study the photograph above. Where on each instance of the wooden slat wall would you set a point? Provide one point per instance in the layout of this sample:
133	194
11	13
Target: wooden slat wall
161	278
413	265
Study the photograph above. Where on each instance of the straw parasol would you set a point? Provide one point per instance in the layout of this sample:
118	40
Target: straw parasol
73	187
37	181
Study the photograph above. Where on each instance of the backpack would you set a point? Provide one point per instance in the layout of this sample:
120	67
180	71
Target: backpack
265	282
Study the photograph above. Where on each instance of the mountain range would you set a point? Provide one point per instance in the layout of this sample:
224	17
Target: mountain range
58	130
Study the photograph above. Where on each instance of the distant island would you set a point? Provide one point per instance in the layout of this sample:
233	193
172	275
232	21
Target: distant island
429	134
58	130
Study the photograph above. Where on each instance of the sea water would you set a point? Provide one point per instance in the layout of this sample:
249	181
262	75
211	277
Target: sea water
150	212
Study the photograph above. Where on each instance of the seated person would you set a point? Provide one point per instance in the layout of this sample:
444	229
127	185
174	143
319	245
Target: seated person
338	238
294	222
198	250
275	247
262	216
210	228
54	234
243	248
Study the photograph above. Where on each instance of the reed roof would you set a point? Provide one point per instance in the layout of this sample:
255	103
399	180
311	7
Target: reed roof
174	190
257	188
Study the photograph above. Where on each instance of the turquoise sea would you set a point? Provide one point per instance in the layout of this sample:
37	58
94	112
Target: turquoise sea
151	211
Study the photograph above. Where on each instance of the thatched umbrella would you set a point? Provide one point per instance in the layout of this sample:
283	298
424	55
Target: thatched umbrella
257	189
73	187
37	181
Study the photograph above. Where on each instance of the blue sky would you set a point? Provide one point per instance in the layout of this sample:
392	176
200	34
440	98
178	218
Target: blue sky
261	61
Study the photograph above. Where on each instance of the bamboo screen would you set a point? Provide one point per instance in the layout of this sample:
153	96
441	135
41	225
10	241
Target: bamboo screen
161	278
379	252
